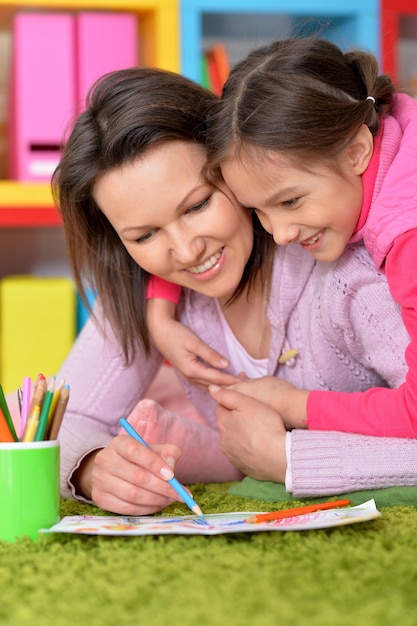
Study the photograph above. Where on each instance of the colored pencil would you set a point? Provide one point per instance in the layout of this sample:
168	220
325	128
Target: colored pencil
57	417
46	407
299	510
6	413
175	484
19	399
27	385
32	424
38	394
56	395
5	433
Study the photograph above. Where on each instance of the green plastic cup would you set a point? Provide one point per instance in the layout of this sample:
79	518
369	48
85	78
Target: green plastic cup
29	488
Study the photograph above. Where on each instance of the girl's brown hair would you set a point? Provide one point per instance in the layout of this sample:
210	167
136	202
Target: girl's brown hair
303	96
127	112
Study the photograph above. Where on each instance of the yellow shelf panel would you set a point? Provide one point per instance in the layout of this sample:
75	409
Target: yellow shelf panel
18	194
159	43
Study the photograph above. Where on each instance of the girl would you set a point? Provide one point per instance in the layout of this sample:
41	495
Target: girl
320	147
134	202
318	144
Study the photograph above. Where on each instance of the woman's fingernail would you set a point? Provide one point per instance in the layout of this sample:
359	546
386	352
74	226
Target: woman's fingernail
170	461
167	473
214	388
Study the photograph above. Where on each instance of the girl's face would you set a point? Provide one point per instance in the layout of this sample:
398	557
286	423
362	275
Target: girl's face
316	206
175	225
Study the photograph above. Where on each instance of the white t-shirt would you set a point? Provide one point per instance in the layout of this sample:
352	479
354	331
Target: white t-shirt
241	359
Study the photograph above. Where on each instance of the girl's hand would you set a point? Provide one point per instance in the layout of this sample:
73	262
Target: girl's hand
188	354
128	478
252	435
289	401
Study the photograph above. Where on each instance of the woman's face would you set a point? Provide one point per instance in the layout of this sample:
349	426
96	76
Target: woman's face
175	225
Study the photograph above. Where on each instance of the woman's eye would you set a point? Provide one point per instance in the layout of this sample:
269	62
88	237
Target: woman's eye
200	206
145	237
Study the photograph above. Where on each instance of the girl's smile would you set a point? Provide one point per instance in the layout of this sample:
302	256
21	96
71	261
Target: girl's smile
173	223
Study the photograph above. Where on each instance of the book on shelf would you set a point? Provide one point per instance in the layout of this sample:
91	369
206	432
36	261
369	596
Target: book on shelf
215	67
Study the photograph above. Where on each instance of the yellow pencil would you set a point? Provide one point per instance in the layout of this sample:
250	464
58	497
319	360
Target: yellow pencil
32	424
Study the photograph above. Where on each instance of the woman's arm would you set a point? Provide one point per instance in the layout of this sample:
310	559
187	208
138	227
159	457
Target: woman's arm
103	389
329	462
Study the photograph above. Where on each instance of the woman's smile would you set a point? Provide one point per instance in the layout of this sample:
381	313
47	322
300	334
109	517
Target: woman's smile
206	270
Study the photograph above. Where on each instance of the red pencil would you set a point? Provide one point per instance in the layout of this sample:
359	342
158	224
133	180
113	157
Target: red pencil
299	510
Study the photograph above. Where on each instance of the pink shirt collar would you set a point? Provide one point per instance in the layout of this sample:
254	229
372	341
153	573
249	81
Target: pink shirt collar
368	181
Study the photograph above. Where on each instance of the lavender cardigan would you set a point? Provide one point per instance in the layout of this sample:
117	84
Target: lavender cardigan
349	336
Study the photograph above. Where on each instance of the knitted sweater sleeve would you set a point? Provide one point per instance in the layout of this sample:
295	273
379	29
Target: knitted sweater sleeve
103	389
380	411
324	463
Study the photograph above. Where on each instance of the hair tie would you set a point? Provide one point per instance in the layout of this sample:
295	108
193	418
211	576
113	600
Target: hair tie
371	98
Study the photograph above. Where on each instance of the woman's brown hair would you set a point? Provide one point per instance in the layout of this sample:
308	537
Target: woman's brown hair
127	112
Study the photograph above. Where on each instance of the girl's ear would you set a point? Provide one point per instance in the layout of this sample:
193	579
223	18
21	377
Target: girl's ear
360	150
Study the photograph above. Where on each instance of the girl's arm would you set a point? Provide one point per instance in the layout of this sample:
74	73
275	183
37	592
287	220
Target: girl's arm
380	411
188	354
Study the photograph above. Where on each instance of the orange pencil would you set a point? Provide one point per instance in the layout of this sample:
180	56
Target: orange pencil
38	394
5	432
299	510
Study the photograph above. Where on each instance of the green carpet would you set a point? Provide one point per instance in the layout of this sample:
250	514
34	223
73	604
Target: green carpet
362	575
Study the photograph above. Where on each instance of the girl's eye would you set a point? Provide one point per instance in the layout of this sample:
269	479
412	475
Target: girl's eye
291	204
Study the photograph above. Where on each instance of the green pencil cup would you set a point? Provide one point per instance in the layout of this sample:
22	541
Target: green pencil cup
29	488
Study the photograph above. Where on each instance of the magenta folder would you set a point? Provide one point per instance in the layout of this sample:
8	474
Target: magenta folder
42	92
104	42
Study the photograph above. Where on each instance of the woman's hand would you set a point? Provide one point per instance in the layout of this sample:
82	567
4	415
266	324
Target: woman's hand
128	478
252	435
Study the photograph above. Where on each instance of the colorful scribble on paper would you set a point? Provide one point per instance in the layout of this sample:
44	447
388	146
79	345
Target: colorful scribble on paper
212	524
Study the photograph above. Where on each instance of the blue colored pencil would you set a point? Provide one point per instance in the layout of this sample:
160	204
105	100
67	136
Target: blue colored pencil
175	484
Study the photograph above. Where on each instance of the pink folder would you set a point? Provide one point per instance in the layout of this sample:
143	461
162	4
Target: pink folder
42	92
104	42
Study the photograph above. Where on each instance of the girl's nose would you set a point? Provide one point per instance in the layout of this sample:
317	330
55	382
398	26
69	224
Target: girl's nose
284	234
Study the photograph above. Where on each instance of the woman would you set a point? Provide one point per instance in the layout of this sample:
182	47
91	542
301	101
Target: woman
134	202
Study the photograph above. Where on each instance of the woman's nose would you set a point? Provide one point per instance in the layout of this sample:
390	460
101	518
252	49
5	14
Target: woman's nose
187	248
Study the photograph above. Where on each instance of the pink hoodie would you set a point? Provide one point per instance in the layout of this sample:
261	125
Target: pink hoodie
389	232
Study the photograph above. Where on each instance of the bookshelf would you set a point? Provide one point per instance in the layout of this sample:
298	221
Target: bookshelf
243	24
399	42
30	204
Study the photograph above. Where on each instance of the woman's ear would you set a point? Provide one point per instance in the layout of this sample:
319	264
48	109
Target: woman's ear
360	150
